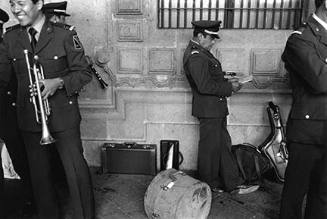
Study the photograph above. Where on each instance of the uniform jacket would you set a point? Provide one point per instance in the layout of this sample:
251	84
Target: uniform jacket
61	55
206	78
305	58
8	126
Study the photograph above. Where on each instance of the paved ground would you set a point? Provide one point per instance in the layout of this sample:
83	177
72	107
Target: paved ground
121	196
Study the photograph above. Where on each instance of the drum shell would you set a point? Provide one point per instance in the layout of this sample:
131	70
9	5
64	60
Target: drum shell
174	195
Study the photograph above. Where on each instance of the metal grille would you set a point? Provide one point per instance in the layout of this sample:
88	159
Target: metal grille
234	14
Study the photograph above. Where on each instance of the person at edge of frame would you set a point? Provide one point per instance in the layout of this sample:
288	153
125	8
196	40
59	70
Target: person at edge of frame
305	57
56	11
10	134
57	48
216	165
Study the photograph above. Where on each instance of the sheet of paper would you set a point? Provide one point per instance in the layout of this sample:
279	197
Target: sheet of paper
246	79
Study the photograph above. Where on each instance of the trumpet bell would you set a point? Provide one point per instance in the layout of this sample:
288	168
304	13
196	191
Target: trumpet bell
47	140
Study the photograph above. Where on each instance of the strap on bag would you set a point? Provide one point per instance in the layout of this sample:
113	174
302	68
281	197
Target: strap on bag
257	167
238	160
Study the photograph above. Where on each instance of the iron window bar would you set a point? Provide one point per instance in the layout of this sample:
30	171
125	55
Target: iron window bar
234	14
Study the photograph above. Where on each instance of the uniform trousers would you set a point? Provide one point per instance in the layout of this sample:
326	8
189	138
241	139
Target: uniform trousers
69	146
216	165
306	174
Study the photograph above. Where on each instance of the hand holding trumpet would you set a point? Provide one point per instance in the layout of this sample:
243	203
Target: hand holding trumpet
48	87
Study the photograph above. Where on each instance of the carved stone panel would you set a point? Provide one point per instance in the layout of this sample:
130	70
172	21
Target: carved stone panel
267	69
162	61
129	7
130	31
232	59
266	62
130	60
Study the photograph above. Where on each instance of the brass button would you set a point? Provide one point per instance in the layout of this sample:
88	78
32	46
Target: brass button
307	116
13	104
55	57
14	59
317	29
9	92
70	102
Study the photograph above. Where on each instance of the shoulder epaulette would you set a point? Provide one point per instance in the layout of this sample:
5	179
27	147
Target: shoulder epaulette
8	29
65	26
299	30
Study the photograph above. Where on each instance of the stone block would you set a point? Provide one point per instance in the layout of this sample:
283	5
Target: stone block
130	60
265	62
130	31
92	151
166	112
129	7
162	60
232	59
131	127
93	127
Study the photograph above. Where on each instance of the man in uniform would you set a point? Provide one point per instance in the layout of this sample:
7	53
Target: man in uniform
56	11
3	19
57	48
305	58
216	165
10	133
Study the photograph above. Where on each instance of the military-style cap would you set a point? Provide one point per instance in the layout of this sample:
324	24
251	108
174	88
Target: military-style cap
57	8
3	16
209	27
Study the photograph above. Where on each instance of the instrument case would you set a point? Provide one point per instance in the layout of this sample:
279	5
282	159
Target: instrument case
170	156
131	158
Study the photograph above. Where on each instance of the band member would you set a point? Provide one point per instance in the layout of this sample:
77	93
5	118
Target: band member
10	133
216	165
56	11
306	174
56	49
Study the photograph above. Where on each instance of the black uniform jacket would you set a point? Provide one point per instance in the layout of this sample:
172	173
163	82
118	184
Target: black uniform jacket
61	55
206	78
305	58
8	125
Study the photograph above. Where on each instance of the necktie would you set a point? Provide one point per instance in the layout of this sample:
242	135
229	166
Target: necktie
32	33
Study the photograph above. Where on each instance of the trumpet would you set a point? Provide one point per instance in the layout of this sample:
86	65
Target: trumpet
41	107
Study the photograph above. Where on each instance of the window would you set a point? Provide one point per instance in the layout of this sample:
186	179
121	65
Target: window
234	14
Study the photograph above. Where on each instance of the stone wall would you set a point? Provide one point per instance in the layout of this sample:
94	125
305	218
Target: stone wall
148	98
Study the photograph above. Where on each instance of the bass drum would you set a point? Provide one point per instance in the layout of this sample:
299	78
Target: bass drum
174	195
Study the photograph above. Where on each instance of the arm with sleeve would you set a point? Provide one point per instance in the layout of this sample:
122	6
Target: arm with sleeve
79	72
199	70
5	73
303	59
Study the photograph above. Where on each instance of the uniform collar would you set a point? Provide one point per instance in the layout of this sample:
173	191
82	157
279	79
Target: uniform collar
317	29
193	41
197	45
38	27
320	21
